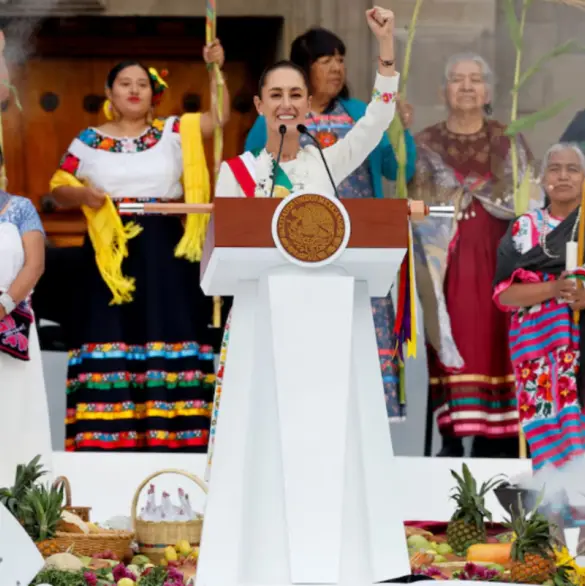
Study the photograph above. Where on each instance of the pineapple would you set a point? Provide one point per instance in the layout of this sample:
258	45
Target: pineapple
26	476
533	557
467	525
40	511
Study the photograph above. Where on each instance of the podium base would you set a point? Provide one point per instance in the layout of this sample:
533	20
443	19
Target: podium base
302	488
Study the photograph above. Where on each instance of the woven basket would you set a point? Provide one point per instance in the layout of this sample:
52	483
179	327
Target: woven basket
154	536
117	542
81	512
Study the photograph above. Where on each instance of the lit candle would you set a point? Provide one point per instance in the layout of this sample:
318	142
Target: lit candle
571	261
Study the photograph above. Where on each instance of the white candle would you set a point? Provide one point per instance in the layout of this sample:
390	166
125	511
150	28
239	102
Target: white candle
571	261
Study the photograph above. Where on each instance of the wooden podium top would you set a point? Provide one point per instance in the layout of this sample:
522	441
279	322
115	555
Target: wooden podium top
247	223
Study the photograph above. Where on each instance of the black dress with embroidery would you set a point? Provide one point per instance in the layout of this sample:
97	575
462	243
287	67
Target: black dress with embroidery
140	375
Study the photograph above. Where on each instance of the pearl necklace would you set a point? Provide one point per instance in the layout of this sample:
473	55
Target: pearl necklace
544	232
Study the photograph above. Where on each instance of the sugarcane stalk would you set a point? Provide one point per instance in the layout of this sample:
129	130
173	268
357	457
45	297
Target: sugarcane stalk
514	109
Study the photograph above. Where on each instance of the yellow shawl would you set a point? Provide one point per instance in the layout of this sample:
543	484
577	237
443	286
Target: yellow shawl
109	236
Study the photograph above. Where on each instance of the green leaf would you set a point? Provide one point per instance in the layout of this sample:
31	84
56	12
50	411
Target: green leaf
569	47
513	24
528	122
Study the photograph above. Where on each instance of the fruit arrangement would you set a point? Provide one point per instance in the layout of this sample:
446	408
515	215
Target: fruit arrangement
67	569
182	556
525	553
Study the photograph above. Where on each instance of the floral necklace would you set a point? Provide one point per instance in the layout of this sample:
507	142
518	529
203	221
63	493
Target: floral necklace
545	231
266	170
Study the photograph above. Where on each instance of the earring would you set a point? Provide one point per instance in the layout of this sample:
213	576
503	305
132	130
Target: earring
109	110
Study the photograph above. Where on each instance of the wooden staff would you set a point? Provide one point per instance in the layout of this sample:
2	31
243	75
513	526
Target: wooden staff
580	247
217	102
5	81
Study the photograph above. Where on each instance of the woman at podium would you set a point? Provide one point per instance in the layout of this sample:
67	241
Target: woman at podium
141	370
285	164
321	54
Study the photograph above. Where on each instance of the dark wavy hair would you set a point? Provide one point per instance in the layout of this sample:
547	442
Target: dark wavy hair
317	42
284	64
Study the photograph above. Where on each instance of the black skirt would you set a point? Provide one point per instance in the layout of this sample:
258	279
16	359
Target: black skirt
140	375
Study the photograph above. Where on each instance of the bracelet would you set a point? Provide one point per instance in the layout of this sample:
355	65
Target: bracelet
386	63
7	302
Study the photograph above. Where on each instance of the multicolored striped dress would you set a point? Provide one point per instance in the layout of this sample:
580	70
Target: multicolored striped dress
544	346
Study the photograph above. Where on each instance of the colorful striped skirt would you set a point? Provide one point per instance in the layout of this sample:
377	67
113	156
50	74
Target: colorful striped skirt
141	375
551	415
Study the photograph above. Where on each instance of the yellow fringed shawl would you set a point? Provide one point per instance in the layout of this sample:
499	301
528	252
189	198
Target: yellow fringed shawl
109	236
196	187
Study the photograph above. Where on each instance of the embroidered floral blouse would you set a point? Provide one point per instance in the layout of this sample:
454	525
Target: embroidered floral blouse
145	168
538	330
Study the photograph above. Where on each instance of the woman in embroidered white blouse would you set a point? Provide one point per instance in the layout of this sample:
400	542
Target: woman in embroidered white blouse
284	99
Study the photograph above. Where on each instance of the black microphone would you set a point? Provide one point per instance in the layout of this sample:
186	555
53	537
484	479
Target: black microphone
304	130
282	130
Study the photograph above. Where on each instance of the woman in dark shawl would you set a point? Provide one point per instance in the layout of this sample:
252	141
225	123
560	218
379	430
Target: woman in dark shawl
533	284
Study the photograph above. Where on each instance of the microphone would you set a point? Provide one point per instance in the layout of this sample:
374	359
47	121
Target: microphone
282	131
304	130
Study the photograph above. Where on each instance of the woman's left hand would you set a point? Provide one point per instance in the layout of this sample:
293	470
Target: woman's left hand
213	53
577	299
381	22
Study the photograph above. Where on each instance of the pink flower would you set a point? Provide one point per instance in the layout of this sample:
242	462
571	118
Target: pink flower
526	406
90	578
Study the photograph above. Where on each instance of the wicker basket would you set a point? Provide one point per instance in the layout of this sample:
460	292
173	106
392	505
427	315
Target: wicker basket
81	512
118	542
154	536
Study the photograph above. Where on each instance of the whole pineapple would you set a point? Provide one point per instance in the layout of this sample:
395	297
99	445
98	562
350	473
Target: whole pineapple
40	511
533	557
467	525
26	476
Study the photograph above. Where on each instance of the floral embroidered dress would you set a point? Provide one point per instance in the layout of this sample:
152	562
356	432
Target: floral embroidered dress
544	345
328	128
24	420
140	374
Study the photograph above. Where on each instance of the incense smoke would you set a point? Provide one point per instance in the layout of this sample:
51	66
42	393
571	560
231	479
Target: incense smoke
559	488
20	31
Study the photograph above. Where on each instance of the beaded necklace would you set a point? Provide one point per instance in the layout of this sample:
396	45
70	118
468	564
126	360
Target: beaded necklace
544	232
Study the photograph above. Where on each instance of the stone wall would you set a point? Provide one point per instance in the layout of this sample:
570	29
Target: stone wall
445	27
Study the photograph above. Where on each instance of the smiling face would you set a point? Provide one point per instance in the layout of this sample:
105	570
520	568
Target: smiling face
131	93
328	75
466	88
284	100
563	177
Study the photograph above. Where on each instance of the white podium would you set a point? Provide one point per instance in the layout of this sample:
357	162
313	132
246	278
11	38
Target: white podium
302	489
